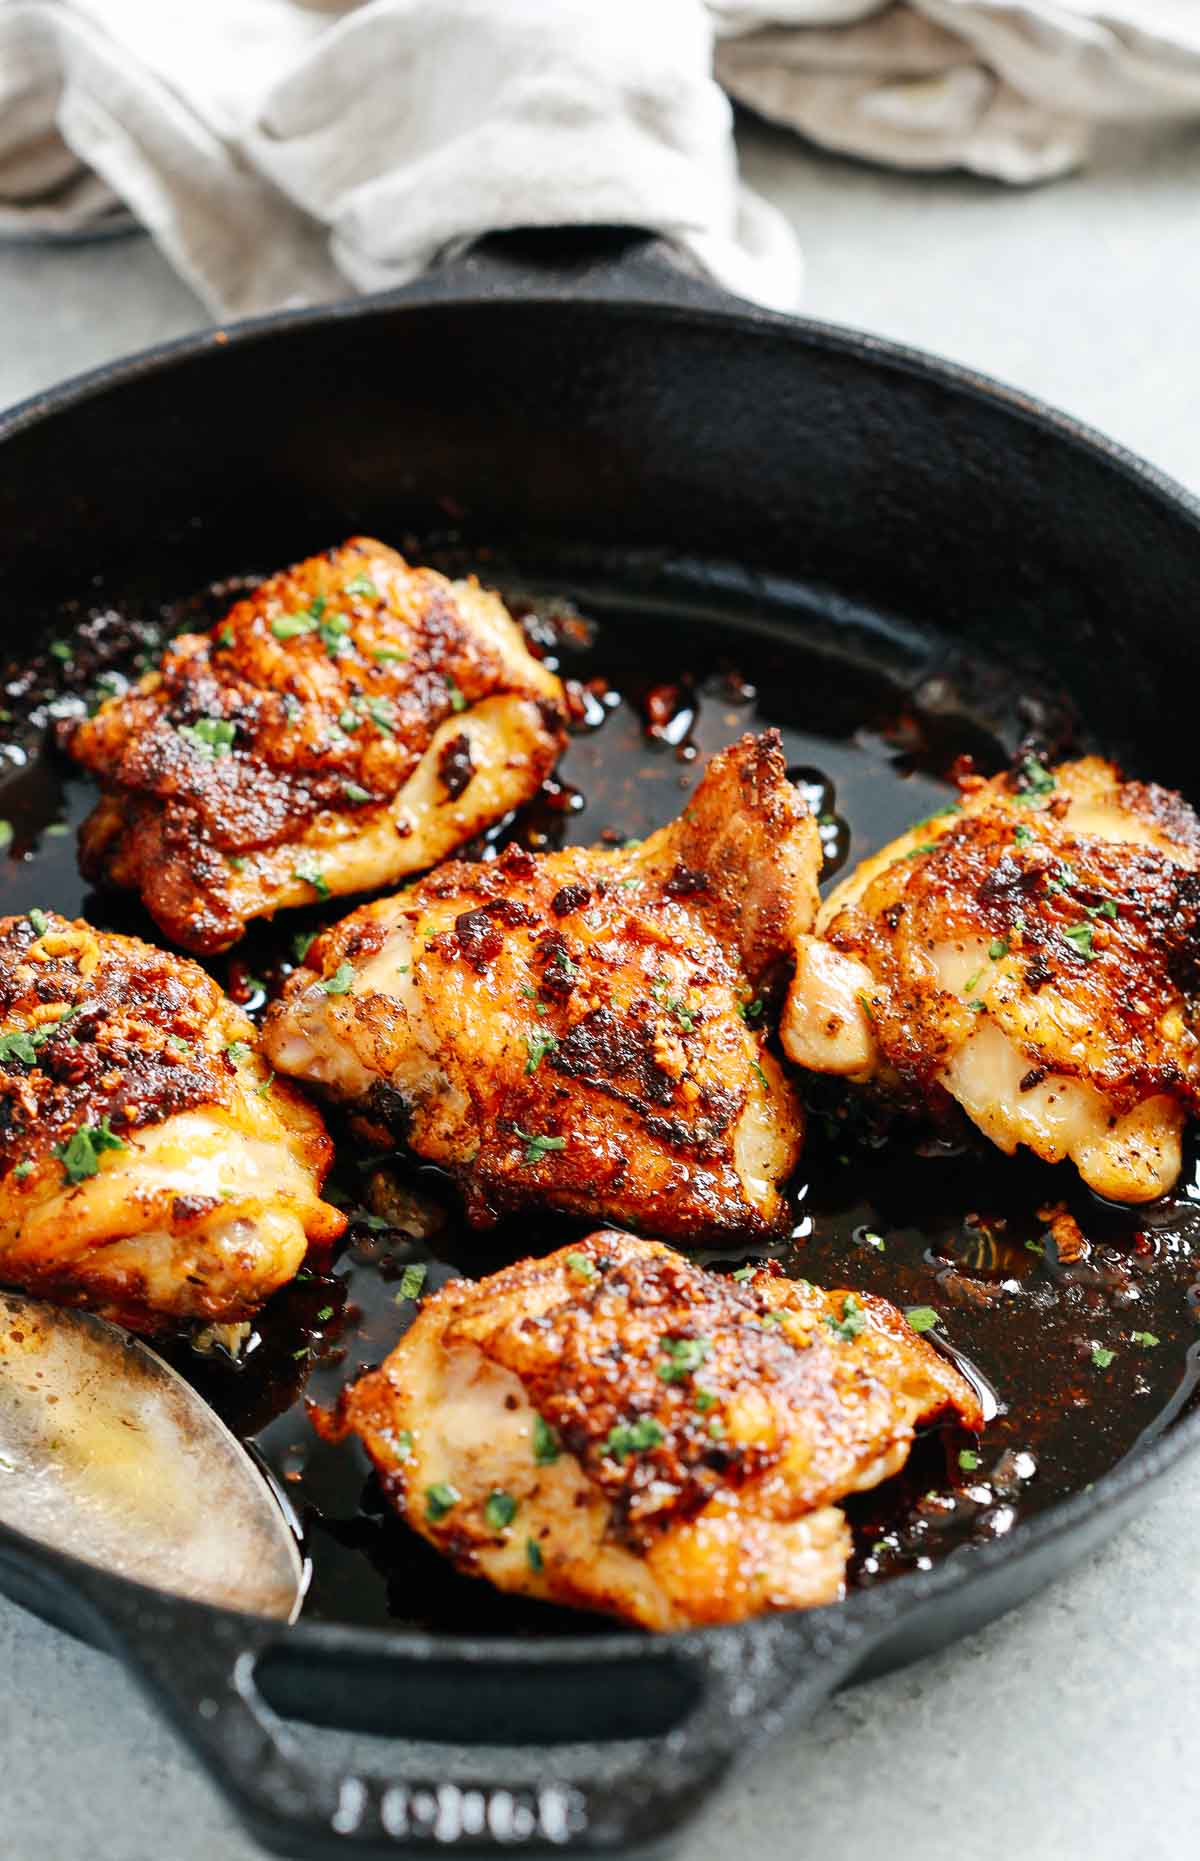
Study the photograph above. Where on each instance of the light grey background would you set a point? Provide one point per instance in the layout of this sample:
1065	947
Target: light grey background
1069	1730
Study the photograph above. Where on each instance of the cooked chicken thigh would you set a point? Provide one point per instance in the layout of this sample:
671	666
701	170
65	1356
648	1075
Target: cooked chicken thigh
351	721
149	1166
614	1428
1033	954
576	1029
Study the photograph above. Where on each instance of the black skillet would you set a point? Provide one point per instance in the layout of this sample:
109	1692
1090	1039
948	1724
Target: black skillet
909	564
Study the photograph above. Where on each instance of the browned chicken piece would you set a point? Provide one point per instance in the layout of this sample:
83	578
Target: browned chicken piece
576	1029
351	721
614	1428
1032	954
150	1167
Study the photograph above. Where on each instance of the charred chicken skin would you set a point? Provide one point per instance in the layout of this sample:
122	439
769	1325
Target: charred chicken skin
614	1428
353	720
150	1168
578	1029
1032	954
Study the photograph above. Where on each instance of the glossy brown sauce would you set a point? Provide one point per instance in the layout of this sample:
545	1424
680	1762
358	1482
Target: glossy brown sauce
926	1224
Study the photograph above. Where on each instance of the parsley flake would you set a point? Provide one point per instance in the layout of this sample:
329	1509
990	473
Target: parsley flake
302	943
538	1045
334	632
536	1144
922	1318
23	1170
742	1273
362	584
998	948
533	1554
80	1155
439	1500
627	1438
582	1267
968	1460
211	736
403	1444
1034	781
312	875
40	922
1079	936
386	654
238	1050
340	981
751	1010
1023	835
412	1280
683	1356
1146	1338
1102	1356
500	1510
355	792
546	1444
852	1321
6	835
457	701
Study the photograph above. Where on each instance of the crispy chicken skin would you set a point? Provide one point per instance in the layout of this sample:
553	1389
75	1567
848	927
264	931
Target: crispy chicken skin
1032	954
149	1168
351	721
570	1029
614	1428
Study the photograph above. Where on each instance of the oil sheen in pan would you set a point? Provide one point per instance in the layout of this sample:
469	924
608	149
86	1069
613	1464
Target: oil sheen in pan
1083	1351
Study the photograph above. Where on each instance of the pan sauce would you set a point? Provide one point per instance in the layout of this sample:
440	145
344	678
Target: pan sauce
872	731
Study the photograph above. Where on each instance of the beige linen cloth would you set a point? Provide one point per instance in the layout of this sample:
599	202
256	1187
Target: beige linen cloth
285	151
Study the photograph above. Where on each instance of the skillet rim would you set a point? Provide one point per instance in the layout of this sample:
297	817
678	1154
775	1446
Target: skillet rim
681	301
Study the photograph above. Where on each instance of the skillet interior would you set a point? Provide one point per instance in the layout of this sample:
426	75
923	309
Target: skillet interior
877	513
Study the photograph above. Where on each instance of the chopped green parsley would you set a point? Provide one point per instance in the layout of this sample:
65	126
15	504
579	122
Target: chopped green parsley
1079	936
40	922
998	948
546	1444
355	792
439	1500
1034	781
302	943
683	1356
500	1510
412	1280
340	981
1145	1338
627	1438
536	1144
582	1267
922	1317
362	584
1102	1356
537	1046
212	736
852	1321
533	1553
312	875
968	1460
80	1155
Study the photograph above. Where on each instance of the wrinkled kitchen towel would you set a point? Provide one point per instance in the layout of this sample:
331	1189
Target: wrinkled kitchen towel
279	151
282	150
1007	88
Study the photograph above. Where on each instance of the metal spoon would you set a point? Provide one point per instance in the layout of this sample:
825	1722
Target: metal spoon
106	1453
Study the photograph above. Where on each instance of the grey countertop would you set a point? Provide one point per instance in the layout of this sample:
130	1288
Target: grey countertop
1068	1729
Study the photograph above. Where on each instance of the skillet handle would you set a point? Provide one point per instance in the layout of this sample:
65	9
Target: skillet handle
568	262
201	1667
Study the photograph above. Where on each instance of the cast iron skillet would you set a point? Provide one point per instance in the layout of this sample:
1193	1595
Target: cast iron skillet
613	418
